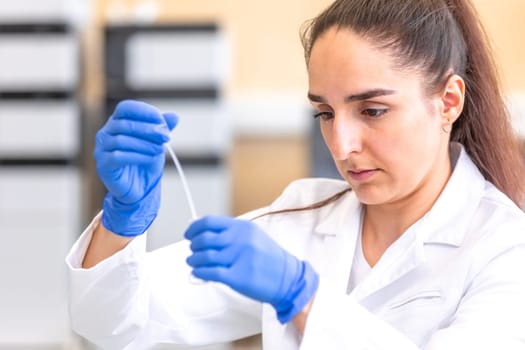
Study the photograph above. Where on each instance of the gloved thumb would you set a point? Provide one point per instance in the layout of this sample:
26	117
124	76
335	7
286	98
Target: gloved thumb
171	119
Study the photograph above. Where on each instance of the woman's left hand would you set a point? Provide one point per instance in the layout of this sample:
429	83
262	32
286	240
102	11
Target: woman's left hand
239	254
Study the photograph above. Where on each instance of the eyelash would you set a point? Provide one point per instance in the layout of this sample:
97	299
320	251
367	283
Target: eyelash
324	115
380	111
369	112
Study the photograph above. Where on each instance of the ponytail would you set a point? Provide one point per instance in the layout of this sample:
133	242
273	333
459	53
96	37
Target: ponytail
484	127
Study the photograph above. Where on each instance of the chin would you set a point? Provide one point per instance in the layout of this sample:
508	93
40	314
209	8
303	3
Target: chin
368	197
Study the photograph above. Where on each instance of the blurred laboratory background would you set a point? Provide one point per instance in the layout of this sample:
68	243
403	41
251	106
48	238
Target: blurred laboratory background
234	72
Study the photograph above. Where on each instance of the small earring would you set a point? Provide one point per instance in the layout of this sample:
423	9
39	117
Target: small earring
447	127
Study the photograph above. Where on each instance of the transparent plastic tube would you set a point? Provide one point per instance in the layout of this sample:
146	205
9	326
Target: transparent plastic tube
187	192
189	199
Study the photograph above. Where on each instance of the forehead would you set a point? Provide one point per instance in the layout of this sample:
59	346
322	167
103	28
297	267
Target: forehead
341	56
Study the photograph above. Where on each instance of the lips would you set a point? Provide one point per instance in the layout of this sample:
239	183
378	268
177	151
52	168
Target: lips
362	175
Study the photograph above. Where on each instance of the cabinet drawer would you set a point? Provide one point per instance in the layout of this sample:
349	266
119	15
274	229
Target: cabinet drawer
32	189
38	61
176	60
204	126
38	128
33	11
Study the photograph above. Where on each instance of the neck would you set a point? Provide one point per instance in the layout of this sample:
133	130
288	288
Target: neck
384	223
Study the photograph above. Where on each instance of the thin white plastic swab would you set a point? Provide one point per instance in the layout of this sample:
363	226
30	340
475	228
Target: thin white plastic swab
184	183
192	279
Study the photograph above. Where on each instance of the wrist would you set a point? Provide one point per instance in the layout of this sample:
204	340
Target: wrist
299	320
103	244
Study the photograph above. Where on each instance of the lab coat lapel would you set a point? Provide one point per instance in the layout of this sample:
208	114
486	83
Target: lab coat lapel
336	234
451	215
401	258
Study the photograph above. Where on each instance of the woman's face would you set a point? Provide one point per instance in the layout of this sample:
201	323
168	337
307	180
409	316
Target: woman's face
384	133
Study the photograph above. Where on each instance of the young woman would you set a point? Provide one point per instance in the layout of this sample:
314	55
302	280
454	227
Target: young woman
422	245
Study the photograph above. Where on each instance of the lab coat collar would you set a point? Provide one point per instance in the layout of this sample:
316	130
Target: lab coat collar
448	220
338	229
336	216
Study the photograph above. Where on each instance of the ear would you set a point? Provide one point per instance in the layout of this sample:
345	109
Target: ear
452	100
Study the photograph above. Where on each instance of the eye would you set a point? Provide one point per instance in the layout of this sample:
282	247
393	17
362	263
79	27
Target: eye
324	115
374	112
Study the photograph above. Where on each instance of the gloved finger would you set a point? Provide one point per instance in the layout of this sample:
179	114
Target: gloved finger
215	273
209	257
137	110
158	133
210	240
131	144
116	159
214	223
171	120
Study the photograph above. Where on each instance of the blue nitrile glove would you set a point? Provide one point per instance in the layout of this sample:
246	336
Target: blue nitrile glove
239	254
130	159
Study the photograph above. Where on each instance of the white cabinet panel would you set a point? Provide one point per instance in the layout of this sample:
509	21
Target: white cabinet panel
204	126
38	61
172	60
210	188
39	219
39	128
32	10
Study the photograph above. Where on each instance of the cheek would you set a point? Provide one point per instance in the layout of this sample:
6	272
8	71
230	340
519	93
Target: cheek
410	148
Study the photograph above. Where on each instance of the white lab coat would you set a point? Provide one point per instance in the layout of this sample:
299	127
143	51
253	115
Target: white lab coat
454	280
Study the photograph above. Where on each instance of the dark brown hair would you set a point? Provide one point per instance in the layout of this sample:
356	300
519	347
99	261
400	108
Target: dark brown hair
438	37
313	206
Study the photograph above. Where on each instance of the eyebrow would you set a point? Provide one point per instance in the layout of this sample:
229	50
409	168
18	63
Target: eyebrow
357	97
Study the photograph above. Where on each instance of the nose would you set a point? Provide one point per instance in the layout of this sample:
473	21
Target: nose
343	136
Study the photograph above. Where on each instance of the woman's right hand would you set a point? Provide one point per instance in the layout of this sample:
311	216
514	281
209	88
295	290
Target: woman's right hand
129	156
